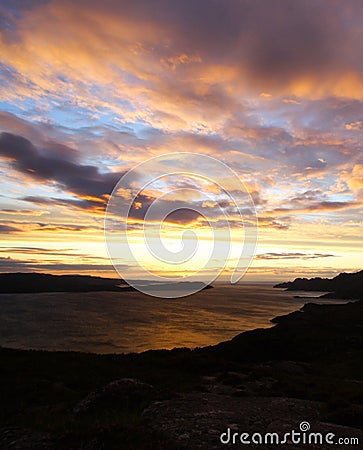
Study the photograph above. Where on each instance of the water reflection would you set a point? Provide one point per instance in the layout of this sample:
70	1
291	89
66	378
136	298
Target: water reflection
108	322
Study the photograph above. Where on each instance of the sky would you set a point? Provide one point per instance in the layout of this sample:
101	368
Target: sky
274	89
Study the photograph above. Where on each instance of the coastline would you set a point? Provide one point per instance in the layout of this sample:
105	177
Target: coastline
310	361
109	322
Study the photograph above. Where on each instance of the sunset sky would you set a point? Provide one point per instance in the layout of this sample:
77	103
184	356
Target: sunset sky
272	88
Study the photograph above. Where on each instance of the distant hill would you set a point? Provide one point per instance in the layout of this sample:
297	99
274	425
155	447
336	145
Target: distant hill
21	283
344	285
42	282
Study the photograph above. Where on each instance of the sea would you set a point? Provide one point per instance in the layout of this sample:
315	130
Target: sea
112	322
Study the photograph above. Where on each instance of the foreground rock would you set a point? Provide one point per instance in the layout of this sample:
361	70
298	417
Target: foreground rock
197	420
124	391
23	439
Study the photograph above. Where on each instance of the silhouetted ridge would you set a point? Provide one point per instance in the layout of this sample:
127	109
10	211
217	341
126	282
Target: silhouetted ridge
41	282
21	283
344	285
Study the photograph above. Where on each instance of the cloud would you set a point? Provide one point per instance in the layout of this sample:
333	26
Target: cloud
15	265
183	216
34	250
94	205
7	229
191	62
10	265
24	212
355	126
283	223
292	255
62	227
354	180
317	208
56	164
274	89
332	206
315	201
40	200
17	226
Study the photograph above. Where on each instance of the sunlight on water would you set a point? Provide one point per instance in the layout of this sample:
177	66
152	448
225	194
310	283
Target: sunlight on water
108	322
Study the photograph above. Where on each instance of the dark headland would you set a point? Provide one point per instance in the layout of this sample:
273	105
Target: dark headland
344	285
16	283
308	367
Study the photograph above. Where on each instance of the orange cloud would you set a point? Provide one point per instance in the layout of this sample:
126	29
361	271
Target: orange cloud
355	180
113	54
354	126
